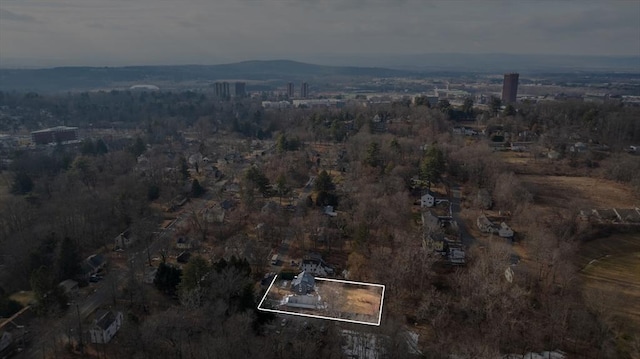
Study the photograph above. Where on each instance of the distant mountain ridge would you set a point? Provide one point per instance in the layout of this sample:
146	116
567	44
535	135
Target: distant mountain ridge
83	78
86	78
492	62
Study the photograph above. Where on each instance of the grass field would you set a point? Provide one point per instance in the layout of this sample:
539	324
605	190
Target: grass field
612	265
566	192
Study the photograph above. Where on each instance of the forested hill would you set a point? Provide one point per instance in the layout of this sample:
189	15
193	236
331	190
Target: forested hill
87	78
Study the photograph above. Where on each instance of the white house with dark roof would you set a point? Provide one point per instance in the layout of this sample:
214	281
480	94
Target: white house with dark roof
428	199
314	264
184	243
124	239
105	327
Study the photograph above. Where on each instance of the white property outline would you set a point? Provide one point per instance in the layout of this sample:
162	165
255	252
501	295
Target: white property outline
321	316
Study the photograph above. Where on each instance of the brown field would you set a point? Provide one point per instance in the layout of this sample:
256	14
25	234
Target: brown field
353	299
568	192
611	265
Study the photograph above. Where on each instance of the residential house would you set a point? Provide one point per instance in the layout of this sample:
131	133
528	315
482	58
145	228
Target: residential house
303	301
505	231
184	243
227	204
456	255
485	225
70	287
553	155
579	147
92	265
106	325
314	264
303	283
467	131
232	187
428	199
124	239
328	210
434	241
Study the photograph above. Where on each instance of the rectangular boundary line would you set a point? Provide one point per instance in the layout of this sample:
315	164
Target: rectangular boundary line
267	292
321	316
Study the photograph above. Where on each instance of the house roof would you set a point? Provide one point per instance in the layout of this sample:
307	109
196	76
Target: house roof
226	204
303	299
104	319
183	257
182	239
68	284
96	260
305	279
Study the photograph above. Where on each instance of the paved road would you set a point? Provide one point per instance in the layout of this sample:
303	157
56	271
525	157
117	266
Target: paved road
456	199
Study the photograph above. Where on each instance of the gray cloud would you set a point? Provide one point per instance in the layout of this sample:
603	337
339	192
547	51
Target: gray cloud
204	31
13	16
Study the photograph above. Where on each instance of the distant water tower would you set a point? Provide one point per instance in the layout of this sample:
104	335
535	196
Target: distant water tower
510	88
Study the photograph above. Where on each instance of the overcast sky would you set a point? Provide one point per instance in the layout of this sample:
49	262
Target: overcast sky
124	32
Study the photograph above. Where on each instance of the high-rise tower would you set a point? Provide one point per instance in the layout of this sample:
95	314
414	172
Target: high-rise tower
240	88
290	90
510	88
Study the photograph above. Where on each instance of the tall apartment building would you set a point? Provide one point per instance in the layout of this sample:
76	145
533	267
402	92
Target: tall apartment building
290	90
240	89
222	89
510	88
304	90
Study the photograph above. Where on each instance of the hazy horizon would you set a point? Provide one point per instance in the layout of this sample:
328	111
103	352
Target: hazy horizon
145	32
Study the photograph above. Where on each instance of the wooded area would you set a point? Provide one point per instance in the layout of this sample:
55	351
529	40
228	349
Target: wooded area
265	183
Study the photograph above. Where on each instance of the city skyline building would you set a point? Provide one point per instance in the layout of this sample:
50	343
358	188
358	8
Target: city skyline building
222	89
290	90
304	90
240	89
510	88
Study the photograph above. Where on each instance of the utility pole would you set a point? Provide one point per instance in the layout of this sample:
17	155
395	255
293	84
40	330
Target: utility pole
79	328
